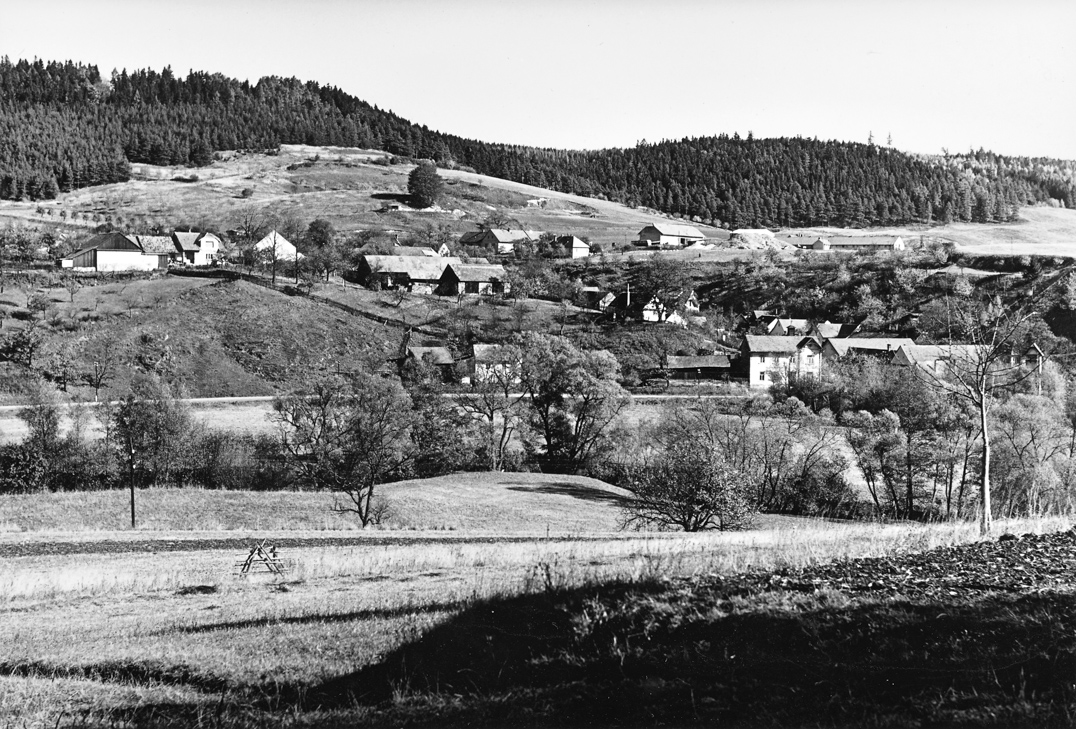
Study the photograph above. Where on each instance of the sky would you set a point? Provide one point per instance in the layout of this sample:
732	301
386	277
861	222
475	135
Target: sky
931	75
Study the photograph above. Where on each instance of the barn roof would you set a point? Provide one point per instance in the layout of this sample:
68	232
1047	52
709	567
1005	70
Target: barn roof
680	231
698	362
417	268
159	244
112	242
479	273
757	344
512	236
843	346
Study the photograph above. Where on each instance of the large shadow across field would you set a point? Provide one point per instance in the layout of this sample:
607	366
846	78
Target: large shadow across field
648	655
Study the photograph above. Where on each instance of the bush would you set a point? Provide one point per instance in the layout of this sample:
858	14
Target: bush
688	486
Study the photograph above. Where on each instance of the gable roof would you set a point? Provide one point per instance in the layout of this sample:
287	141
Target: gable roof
472	237
789	322
680	231
758	344
697	362
477	272
512	236
835	330
112	242
928	354
158	244
844	346
188	241
417	268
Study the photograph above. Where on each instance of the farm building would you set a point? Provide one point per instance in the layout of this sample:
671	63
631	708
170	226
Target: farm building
202	249
698	368
573	247
421	274
835	349
114	252
503	240
465	278
665	235
769	358
276	245
858	243
937	357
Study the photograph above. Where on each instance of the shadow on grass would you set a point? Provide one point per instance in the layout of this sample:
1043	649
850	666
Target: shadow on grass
642	655
368	614
567	489
121	672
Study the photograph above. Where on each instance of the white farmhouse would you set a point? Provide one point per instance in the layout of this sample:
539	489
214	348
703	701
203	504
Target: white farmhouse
769	358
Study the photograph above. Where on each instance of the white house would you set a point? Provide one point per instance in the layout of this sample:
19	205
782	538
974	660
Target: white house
771	357
198	249
665	235
573	247
276	244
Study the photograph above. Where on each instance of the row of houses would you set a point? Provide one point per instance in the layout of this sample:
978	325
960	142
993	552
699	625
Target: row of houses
112	252
770	358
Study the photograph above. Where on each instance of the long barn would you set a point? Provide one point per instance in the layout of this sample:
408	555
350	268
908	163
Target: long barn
114	252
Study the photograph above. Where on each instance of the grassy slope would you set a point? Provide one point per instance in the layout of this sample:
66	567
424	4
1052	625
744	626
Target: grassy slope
217	338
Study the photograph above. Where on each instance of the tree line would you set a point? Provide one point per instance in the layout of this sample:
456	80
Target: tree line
62	126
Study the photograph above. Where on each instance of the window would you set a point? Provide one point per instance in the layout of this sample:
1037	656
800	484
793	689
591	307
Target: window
762	359
762	376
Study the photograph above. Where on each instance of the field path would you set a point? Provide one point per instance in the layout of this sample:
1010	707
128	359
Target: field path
54	547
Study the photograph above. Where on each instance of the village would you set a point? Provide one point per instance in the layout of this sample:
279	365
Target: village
764	347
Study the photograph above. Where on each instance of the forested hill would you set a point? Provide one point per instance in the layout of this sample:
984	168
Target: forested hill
62	126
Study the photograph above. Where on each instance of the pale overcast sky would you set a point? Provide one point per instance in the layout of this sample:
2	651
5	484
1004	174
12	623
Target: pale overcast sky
956	74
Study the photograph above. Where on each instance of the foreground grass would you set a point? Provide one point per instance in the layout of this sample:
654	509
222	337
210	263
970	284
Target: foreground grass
173	639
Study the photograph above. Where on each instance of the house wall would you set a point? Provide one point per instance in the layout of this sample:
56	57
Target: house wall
125	261
806	361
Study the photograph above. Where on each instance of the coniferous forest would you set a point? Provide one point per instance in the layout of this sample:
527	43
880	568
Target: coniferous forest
63	126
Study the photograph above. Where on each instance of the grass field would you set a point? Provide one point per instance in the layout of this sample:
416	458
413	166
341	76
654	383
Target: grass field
175	639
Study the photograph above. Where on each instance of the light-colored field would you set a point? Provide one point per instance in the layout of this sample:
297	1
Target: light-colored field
497	503
175	635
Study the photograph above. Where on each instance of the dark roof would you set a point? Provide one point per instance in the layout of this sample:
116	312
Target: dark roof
417	268
187	241
477	272
112	242
688	363
473	237
159	244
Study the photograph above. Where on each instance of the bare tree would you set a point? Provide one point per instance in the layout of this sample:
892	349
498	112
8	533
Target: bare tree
986	363
347	435
496	402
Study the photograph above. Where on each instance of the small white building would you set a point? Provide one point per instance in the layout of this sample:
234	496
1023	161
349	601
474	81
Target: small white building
573	247
274	244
